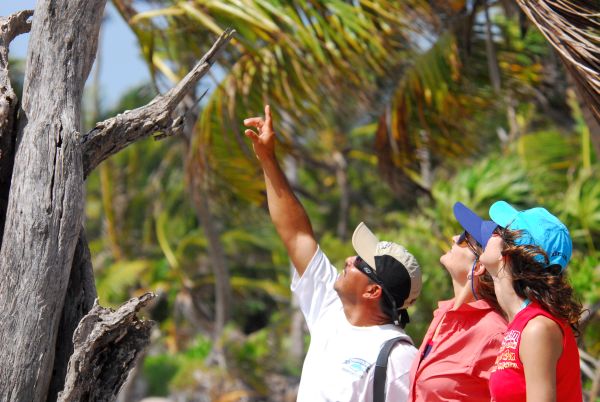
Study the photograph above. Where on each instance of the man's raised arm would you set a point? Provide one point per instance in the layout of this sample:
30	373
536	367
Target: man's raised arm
288	215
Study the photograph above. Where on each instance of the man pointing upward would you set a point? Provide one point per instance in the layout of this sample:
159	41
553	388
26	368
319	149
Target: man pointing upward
350	315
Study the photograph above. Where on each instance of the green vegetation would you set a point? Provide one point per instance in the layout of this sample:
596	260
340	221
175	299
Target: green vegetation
386	111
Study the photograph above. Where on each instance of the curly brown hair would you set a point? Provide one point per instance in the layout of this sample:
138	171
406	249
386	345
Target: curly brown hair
535	280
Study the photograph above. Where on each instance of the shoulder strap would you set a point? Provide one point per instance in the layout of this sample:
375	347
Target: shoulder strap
379	376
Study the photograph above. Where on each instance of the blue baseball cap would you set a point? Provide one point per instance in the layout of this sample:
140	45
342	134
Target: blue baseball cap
479	229
540	228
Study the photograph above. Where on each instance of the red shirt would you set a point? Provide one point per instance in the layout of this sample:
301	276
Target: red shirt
460	358
507	382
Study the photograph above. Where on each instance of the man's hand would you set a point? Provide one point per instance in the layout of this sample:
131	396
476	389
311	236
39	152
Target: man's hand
263	142
287	214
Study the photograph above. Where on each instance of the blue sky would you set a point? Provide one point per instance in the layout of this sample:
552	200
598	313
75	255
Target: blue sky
122	66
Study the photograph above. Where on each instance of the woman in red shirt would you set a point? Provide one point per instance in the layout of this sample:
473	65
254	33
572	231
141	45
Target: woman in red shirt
461	344
526	257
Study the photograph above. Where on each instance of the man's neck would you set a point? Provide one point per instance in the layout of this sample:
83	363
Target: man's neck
364	316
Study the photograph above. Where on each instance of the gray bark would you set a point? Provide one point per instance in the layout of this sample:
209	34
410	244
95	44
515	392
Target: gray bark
45	206
10	27
79	299
43	256
107	345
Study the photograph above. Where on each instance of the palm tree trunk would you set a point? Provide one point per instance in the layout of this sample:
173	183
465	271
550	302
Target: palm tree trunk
590	121
296	350
341	166
494	70
424	155
106	178
219	267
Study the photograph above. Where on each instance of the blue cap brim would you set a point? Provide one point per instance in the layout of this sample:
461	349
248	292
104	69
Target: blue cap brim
503	213
487	229
479	229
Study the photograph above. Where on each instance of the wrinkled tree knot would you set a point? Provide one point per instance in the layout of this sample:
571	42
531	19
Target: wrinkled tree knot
107	344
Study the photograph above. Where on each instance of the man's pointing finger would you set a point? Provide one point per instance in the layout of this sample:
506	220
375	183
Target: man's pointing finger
268	120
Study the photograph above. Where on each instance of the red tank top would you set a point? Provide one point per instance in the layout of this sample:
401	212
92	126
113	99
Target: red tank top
507	381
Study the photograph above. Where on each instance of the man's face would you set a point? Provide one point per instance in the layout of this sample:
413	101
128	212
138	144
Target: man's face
351	283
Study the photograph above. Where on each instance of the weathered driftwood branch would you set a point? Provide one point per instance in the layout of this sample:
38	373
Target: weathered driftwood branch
13	26
114	134
107	344
10	27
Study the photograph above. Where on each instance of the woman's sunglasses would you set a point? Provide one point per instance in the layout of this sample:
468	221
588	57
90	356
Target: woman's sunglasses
471	243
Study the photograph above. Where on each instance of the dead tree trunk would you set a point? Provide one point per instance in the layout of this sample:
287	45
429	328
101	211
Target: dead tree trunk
80	297
43	251
45	205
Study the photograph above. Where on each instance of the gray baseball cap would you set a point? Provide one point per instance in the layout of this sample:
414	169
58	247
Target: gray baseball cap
396	268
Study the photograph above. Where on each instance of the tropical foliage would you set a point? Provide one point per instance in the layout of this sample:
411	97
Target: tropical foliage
386	111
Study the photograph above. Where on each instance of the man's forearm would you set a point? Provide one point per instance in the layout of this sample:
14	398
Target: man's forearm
288	215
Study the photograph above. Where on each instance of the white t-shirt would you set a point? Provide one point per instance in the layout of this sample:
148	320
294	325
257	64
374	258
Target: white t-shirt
340	362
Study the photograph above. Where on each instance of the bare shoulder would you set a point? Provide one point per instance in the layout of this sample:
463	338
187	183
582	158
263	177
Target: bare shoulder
540	350
542	328
542	338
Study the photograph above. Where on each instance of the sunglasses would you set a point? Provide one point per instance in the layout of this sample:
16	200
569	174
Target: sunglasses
366	269
471	243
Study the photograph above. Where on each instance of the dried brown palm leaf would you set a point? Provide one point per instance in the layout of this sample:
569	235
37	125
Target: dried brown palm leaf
573	28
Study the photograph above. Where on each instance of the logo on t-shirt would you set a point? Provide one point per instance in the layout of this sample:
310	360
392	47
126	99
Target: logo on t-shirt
507	357
355	366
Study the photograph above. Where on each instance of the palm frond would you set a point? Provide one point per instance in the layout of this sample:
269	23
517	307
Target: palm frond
573	28
425	113
321	62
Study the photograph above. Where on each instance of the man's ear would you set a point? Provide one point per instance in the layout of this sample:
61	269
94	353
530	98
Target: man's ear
372	291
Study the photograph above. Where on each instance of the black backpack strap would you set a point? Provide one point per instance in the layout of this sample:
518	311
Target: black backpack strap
379	377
